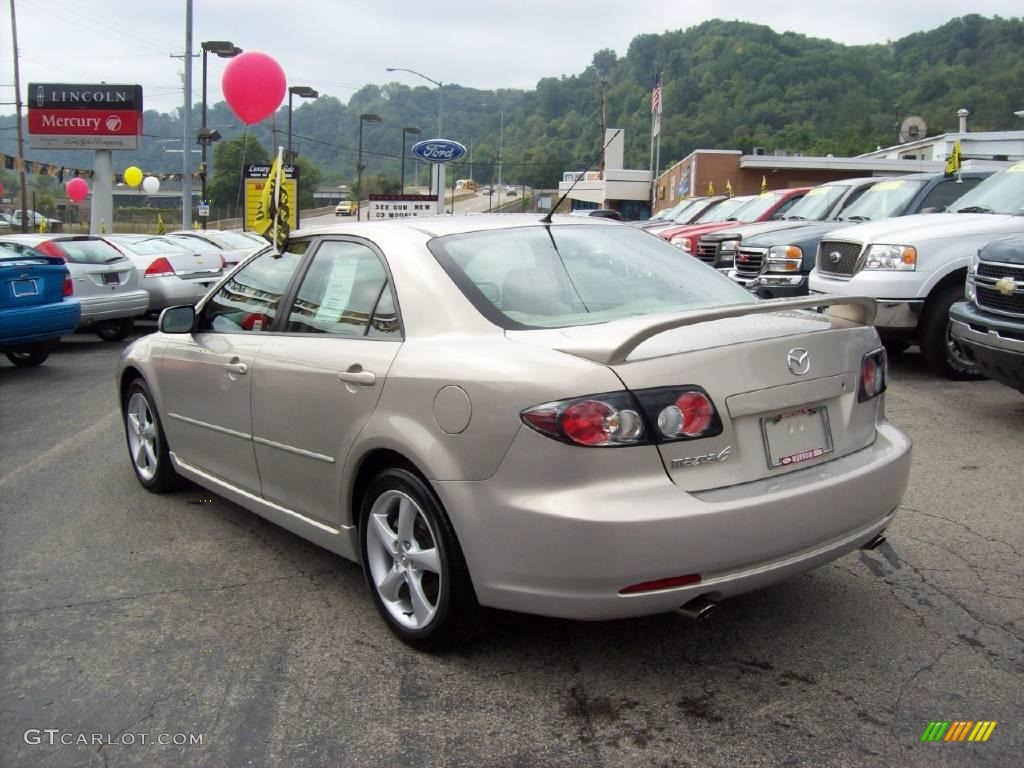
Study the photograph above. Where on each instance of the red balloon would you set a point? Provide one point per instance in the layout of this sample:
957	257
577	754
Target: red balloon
77	189
254	86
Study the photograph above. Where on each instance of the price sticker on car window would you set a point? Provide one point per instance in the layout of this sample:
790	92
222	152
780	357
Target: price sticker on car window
818	191
1016	168
882	186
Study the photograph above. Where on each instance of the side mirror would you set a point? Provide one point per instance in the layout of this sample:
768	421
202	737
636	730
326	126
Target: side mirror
178	319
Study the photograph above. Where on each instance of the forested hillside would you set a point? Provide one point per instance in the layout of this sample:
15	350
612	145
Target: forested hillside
727	84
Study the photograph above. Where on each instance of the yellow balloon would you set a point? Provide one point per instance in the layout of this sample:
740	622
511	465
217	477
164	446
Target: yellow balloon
133	176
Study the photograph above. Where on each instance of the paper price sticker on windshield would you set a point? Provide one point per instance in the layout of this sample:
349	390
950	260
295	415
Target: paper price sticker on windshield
884	185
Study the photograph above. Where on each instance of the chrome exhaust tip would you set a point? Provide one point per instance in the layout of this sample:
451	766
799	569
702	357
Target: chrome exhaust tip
875	543
698	609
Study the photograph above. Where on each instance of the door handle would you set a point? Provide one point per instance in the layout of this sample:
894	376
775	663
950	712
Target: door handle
356	375
234	366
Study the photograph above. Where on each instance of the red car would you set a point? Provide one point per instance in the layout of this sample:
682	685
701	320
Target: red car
746	209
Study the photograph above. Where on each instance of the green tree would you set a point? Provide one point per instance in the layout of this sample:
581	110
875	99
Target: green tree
309	179
230	156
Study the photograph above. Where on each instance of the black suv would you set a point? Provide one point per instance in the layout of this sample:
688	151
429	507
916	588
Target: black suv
990	324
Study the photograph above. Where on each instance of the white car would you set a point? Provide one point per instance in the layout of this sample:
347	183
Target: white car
171	273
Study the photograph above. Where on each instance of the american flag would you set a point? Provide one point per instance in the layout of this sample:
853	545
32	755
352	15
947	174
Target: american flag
656	95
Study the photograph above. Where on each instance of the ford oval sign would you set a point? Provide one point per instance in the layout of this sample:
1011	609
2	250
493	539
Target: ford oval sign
438	150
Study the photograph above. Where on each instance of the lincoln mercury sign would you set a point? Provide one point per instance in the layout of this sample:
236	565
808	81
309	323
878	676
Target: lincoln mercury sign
76	116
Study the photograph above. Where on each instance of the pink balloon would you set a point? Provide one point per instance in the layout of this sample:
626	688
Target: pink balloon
77	189
254	86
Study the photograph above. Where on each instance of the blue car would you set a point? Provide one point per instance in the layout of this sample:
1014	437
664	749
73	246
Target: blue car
36	304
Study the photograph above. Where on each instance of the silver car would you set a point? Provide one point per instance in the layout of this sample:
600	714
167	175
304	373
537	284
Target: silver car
569	419
105	281
171	273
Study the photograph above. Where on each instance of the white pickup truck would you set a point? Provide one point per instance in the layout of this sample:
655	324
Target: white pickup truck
916	267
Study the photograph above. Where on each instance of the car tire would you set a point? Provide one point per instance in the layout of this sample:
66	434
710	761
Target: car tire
115	330
944	356
147	446
31	355
413	564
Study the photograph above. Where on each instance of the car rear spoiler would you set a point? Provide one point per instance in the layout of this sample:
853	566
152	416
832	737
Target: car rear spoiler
635	331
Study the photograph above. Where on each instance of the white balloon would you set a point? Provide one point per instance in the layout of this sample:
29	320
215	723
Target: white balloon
151	184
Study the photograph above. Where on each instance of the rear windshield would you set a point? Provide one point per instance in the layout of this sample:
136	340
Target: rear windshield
195	244
558	276
152	246
234	239
724	211
86	251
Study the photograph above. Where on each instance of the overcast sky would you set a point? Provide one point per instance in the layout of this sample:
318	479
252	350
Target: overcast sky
337	46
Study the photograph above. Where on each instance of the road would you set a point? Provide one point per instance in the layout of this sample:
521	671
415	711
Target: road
127	614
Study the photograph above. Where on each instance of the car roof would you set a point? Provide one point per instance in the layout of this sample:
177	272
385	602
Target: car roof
35	239
439	226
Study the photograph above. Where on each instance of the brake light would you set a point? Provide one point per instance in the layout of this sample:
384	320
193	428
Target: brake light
160	267
50	248
223	263
69	285
624	418
874	374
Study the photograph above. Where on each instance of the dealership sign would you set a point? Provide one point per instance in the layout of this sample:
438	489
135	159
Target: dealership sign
76	116
401	206
255	176
438	150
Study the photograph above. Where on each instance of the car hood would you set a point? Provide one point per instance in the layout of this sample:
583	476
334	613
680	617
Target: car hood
745	231
695	230
792	235
929	226
1009	250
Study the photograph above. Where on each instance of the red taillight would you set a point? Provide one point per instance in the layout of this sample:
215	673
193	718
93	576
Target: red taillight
50	248
873	374
160	267
651	586
598	420
689	416
69	285
223	263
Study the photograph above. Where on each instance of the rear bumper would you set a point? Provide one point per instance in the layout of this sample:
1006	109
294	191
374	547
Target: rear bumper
27	325
123	304
997	343
569	553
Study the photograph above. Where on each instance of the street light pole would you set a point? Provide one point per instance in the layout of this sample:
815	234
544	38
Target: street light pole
366	117
305	92
440	91
225	49
415	131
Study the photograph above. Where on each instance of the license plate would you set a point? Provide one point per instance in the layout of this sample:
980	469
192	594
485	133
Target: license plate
111	278
25	288
798	435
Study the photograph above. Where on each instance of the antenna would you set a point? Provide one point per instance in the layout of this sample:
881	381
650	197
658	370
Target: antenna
547	217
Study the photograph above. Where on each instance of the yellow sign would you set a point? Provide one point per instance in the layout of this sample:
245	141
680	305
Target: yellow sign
884	185
255	177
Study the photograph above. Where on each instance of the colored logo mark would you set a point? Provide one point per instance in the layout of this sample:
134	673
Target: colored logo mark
958	730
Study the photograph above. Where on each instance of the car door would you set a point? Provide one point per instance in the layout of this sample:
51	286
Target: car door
316	382
206	376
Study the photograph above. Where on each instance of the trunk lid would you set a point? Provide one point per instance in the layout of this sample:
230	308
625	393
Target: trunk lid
31	280
768	410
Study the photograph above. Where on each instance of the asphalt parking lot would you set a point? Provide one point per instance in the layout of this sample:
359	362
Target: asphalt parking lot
183	616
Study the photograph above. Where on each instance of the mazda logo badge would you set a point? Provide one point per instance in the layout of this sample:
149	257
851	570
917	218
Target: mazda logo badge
835	257
799	361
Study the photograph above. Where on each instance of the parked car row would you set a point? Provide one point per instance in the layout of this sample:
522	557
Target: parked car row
906	241
109	281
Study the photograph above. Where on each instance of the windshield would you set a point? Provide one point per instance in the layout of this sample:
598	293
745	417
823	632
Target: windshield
1001	193
883	200
557	276
759	206
671	213
724	211
693	207
817	204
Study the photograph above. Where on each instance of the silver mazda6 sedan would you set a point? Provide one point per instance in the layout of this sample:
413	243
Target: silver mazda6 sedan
569	419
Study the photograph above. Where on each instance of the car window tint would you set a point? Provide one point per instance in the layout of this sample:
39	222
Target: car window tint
339	292
948	192
250	298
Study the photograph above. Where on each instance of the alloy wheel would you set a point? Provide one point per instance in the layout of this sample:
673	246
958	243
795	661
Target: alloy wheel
142	435
404	559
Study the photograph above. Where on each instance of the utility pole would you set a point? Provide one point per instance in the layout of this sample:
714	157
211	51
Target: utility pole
186	169
21	140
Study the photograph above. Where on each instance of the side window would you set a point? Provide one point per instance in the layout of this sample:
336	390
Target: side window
250	299
947	192
345	292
